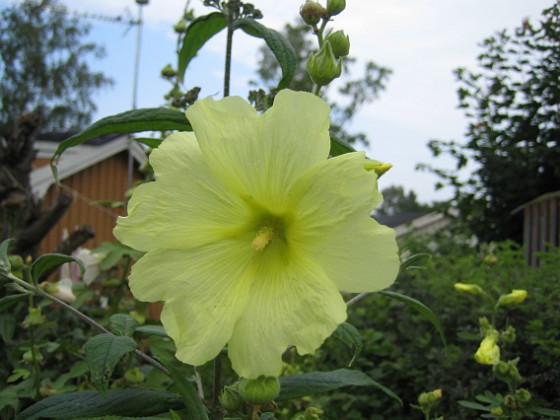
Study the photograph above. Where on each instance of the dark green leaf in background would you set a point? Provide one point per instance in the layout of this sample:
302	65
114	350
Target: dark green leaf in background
48	262
198	32
120	402
114	252
7	301
278	44
193	403
5	266
156	330
297	386
103	352
350	336
338	147
420	308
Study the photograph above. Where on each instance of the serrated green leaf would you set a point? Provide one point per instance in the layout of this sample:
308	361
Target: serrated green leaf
278	44
120	402
157	330
134	121
122	324
420	308
193	403
350	336
198	32
103	352
338	147
297	386
7	301
48	262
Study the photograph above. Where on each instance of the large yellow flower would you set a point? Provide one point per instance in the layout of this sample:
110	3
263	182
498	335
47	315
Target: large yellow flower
250	232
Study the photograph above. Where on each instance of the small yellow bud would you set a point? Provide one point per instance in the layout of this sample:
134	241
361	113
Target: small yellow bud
429	399
379	167
471	289
488	352
134	376
513	298
259	391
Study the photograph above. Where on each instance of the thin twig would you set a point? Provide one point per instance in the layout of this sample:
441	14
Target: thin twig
86	319
357	298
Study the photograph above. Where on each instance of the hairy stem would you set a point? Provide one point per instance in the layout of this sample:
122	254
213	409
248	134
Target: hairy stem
232	11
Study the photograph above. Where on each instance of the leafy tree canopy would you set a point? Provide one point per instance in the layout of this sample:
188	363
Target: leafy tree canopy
513	135
43	63
396	201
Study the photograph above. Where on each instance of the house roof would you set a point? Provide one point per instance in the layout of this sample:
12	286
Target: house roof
78	158
543	197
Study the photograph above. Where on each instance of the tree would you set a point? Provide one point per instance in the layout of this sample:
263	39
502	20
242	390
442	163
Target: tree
513	135
357	91
43	61
396	200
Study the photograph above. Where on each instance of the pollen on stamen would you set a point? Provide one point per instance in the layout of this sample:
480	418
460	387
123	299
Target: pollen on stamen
265	235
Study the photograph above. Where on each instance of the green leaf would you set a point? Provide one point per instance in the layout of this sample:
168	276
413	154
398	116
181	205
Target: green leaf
119	402
103	352
46	263
420	308
550	412
134	121
153	143
338	147
297	386
280	47
114	252
157	330
350	336
7	301
122	324
7	327
474	406
198	32
416	261
5	266
193	403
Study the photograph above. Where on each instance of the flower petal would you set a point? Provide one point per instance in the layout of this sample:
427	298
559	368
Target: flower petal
260	156
292	302
185	207
331	204
205	292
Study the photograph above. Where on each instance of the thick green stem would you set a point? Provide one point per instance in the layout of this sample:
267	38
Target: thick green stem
232	12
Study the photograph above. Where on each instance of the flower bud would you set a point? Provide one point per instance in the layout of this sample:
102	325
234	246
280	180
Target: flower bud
33	355
180	27
497	411
428	399
471	289
522	395
167	72
134	376
508	336
513	298
230	399
507	372
34	317
340	43
312	12
490	259
334	7
323	67
259	391
488	352
379	167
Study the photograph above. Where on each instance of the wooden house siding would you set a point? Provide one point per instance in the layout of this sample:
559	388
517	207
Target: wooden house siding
105	180
541	225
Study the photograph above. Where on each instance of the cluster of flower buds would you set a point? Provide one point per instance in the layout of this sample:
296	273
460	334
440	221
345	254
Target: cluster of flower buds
326	65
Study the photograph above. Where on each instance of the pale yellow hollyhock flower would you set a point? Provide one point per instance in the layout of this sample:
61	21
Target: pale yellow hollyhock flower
488	352
250	232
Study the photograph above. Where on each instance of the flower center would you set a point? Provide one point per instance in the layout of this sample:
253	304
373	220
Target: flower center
264	236
271	229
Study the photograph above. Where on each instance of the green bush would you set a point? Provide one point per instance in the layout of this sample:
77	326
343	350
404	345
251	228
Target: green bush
403	352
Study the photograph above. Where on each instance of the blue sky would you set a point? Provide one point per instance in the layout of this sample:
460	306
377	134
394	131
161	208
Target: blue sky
422	41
